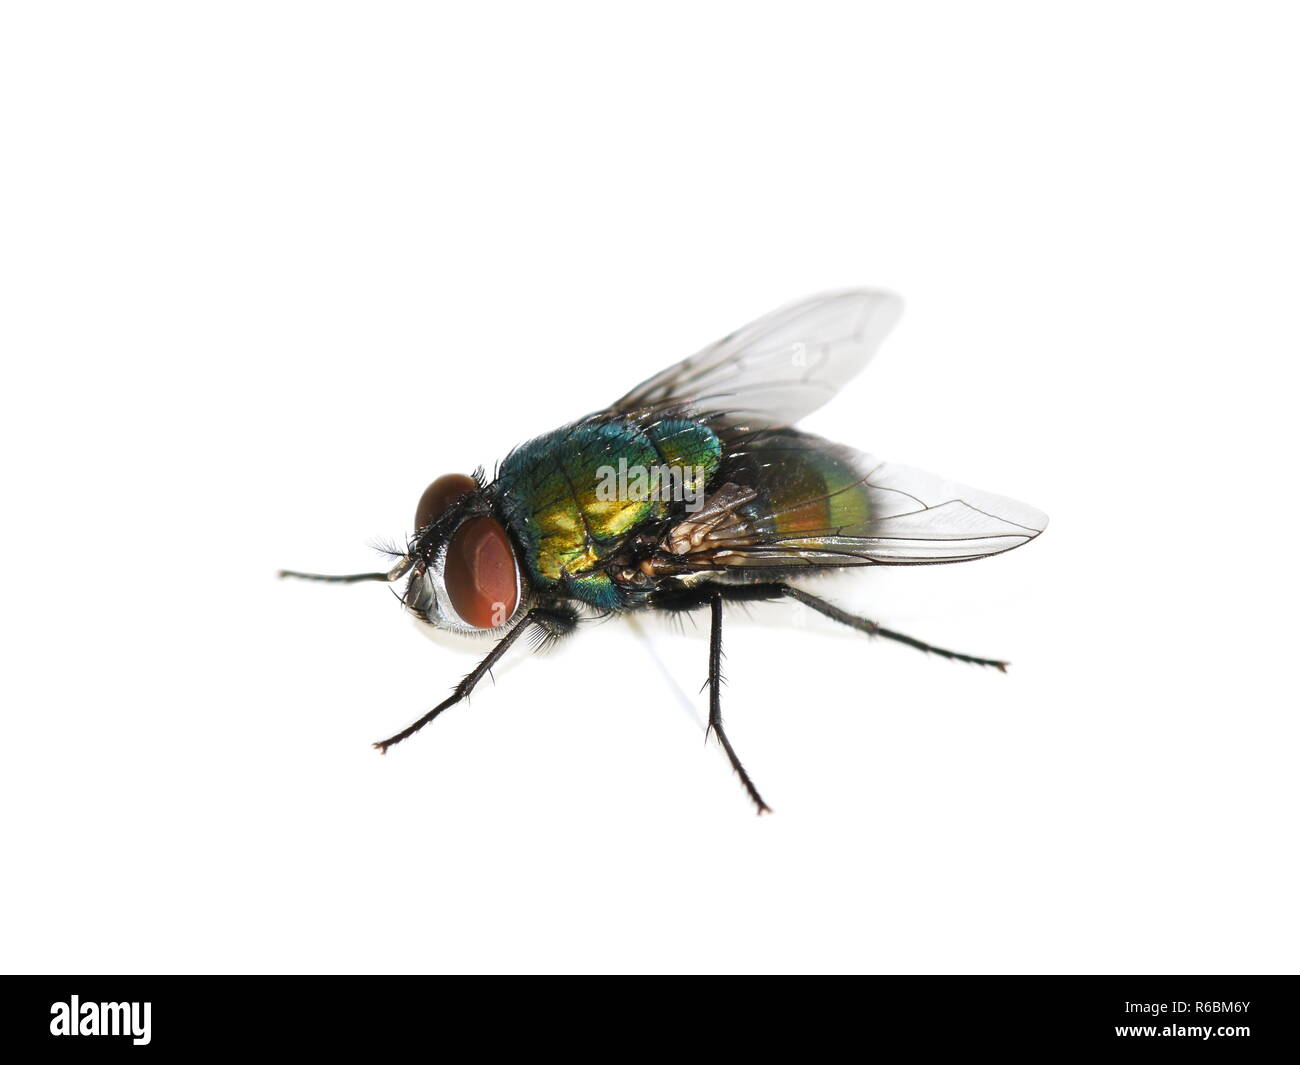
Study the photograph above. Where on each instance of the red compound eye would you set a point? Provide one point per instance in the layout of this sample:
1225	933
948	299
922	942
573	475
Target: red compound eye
480	574
440	495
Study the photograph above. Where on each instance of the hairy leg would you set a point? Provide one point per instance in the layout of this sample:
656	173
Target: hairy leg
350	578
685	598
779	589
553	622
715	704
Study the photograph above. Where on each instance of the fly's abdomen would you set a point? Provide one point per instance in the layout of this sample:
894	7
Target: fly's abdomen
573	496
807	490
811	492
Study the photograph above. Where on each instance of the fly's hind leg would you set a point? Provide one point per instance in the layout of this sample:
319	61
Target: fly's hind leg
778	589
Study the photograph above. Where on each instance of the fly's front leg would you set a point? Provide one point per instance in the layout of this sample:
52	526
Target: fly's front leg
351	578
550	622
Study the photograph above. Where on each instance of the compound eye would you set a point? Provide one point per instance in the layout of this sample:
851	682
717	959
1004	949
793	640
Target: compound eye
440	495
480	576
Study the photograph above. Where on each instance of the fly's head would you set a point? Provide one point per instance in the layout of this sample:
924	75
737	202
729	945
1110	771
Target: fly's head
464	572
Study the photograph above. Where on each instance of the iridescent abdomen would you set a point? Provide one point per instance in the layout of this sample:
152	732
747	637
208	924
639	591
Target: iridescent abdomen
571	497
807	487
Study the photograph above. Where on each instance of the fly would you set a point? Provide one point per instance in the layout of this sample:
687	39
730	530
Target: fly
692	491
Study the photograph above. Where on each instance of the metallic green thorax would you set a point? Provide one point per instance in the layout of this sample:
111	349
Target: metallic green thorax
555	494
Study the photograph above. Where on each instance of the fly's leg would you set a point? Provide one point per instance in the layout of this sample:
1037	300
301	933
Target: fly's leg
777	589
715	703
833	612
552	622
339	578
351	578
680	597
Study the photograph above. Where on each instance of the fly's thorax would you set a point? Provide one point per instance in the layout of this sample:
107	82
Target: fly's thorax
573	497
467	576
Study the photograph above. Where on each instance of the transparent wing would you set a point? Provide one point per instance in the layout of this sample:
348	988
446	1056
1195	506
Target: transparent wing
918	517
821	504
785	365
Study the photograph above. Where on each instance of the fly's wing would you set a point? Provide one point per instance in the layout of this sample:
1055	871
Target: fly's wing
774	371
801	501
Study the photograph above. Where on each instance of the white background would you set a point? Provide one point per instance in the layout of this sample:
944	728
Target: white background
269	269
